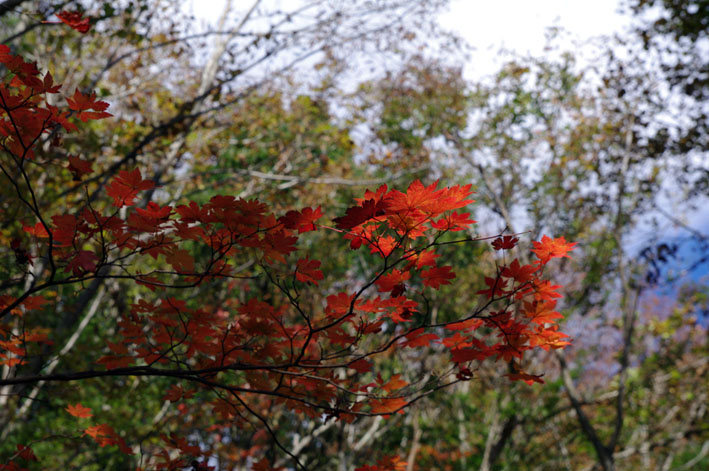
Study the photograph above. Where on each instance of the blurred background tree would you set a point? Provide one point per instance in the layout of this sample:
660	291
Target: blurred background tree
313	102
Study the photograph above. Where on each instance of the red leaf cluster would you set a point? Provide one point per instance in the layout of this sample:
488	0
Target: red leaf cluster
311	347
75	20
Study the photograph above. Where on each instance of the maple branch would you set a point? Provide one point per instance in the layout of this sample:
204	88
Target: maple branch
324	180
8	5
201	376
34	206
270	430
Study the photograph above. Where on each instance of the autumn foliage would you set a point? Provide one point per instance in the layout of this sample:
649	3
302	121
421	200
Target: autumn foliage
244	359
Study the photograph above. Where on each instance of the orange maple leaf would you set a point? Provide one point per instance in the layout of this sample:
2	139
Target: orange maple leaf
38	230
549	248
79	411
389	405
394	383
104	435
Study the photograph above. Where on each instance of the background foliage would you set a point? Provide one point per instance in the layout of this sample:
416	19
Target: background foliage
310	107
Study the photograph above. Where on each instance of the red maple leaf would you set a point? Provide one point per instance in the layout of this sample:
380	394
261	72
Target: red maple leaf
549	337
181	261
338	304
26	73
393	282
125	187
307	271
277	244
191	213
82	103
418	338
25	453
78	167
505	242
455	197
155	212
520	273
5	55
361	366
426	258
453	222
61	118
302	220
112	362
265	465
48	83
417	198
437	276
383	245
357	215
469	325
176	392
464	355
32	303
83	261
65	229
496	287
456	341
75	21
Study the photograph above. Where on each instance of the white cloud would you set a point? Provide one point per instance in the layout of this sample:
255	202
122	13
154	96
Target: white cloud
520	25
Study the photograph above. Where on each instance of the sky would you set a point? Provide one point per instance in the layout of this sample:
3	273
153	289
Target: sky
516	25
521	25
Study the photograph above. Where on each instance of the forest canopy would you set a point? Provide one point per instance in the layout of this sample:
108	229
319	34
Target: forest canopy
301	237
